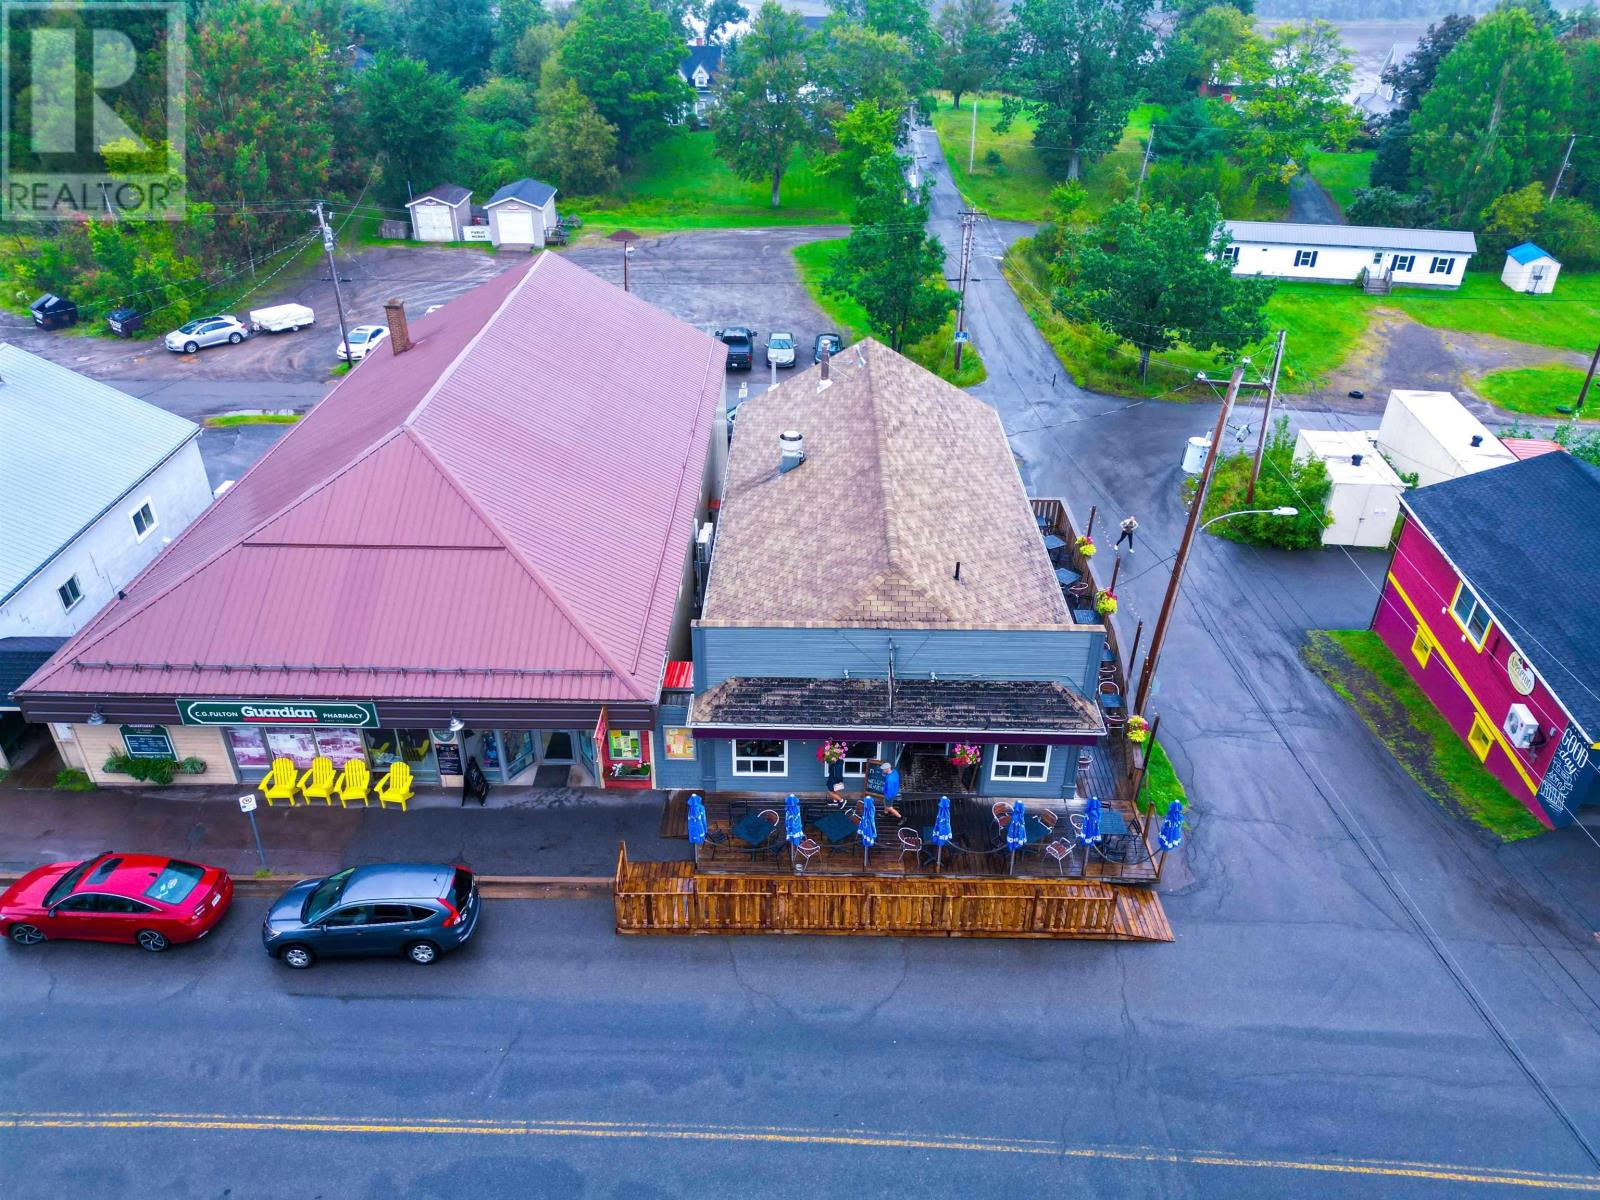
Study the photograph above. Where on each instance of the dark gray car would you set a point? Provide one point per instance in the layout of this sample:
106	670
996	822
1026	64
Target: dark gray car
420	910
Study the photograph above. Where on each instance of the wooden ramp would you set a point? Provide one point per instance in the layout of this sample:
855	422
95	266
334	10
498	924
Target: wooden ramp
673	897
675	815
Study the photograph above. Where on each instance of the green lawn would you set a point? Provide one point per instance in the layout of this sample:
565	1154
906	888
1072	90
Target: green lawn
1342	173
1161	785
1537	391
228	420
1357	665
936	352
681	184
1566	319
1018	187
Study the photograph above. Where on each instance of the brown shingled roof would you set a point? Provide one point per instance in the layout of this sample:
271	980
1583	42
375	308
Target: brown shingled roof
905	476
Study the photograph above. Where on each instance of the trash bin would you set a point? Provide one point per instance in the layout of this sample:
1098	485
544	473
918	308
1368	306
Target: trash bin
51	311
124	322
1194	455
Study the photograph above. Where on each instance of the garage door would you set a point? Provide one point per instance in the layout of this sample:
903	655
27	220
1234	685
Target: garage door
516	228
433	223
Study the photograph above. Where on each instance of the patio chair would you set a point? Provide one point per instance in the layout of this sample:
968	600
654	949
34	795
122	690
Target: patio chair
804	851
395	786
910	843
1060	850
1001	812
280	782
354	783
317	782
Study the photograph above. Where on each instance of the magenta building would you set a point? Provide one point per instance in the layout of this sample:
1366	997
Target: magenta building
1490	605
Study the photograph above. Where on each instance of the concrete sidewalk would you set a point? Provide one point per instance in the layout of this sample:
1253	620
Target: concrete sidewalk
523	831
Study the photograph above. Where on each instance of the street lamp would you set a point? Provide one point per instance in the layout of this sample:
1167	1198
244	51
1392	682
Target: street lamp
1283	510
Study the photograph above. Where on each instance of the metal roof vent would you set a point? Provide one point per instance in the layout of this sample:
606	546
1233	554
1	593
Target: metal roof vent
1355	460
1477	440
791	450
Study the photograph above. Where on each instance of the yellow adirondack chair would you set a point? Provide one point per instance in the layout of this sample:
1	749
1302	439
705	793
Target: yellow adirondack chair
353	783
279	783
317	783
395	787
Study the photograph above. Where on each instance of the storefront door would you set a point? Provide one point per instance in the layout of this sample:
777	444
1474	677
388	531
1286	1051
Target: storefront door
558	748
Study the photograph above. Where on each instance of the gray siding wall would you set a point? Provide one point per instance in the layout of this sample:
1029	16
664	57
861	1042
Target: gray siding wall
1066	656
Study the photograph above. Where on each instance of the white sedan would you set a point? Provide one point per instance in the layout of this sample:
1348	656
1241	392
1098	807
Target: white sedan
364	339
780	349
206	331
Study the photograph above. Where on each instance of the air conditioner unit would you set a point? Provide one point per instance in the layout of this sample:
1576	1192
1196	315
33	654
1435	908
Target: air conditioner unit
1520	726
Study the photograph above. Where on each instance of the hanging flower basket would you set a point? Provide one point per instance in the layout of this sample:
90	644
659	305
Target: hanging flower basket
965	755
1105	603
1085	546
832	751
1138	730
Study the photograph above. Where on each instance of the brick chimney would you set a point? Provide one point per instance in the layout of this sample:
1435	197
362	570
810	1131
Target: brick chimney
394	311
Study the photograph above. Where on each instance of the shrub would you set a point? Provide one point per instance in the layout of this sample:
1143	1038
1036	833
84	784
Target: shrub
158	771
72	780
1304	484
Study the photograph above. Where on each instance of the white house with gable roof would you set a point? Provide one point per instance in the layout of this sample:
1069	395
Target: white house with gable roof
1347	253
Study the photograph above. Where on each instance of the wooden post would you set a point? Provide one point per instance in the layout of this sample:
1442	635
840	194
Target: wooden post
1089	532
1138	788
1116	568
1133	654
1266	418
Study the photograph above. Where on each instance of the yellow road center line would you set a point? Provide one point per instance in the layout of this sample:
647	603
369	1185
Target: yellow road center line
777	1135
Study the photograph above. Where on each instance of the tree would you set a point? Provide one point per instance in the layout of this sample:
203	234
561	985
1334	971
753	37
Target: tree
1389	206
857	64
1495	116
1219	35
1156	276
490	139
1292	86
866	132
1075	67
1513	218
765	112
454	37
1413	75
891	266
969	50
623	55
573	146
1585	165
720	14
514	20
1391	163
1187	133
908	19
260	132
404	109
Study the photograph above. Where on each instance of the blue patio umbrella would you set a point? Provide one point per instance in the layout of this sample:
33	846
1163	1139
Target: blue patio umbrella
1171	835
867	831
1091	822
791	820
940	833
1016	832
697	824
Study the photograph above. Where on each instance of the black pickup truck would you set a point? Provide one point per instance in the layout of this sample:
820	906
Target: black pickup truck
741	346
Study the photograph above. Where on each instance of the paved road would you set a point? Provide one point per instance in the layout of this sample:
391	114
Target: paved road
1310	203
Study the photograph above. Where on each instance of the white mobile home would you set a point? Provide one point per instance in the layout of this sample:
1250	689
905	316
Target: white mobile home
1431	434
1347	253
1365	498
522	213
1530	269
440	213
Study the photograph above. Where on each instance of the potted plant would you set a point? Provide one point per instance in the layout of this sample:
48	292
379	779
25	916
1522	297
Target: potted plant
965	757
831	751
1138	730
1105	602
1085	546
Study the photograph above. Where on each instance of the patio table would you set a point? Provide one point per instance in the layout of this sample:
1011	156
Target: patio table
753	831
1038	831
836	828
1087	616
1066	576
1111	700
1054	543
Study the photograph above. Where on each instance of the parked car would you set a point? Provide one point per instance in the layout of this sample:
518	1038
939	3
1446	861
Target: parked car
206	331
780	349
364	339
832	341
282	318
741	346
420	910
144	899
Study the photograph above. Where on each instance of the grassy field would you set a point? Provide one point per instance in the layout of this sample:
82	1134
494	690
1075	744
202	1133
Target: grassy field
814	260
230	420
1341	173
682	184
1568	319
1162	785
1537	391
1357	665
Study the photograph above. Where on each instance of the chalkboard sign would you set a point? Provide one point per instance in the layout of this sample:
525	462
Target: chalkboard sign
449	757
147	741
877	778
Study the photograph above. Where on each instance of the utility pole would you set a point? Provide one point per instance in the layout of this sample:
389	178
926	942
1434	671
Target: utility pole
1171	600
1144	166
972	145
1266	415
333	271
1565	159
1583	392
969	221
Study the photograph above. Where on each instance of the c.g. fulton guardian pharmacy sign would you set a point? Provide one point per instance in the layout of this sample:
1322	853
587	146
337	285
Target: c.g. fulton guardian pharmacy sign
278	712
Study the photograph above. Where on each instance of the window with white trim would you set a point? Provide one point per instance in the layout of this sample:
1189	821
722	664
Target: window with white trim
1403	262
1231	255
144	520
70	594
1305	258
758	756
857	755
1021	763
1471	615
1442	266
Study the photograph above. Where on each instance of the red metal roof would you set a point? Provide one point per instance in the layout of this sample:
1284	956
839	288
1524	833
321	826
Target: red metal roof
1530	447
680	675
500	512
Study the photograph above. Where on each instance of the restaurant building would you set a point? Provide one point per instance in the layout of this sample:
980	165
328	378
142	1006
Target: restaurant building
478	546
1488	605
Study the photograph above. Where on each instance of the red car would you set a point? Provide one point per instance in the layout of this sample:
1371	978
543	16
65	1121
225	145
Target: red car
145	899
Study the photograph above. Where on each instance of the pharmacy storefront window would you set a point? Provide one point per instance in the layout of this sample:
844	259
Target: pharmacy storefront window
414	747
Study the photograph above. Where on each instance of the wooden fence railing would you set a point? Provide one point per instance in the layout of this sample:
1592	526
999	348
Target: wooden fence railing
671	897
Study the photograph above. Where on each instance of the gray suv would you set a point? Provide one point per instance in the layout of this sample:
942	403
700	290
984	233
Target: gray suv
420	910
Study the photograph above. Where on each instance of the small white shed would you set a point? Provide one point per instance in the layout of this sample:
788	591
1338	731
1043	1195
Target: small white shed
1530	269
521	213
1365	499
440	213
1431	434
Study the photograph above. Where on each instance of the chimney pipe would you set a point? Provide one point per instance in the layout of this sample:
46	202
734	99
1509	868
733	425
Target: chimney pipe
791	450
1355	460
1477	439
958	570
826	346
394	312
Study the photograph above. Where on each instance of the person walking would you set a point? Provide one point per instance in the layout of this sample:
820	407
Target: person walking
1128	526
